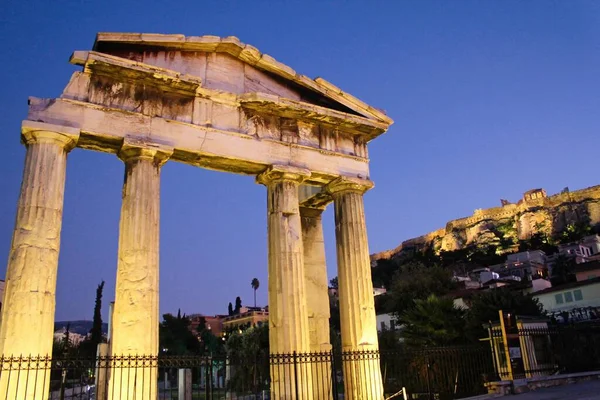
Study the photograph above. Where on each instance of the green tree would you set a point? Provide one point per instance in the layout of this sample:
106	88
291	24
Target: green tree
64	347
255	285
574	232
333	283
485	306
563	270
96	335
175	337
248	354
433	321
238	305
538	241
383	272
89	346
67	338
416	282
58	348
230	309
209	343
389	340
201	324
334	319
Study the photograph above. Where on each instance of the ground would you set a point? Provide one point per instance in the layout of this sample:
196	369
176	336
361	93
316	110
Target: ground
576	391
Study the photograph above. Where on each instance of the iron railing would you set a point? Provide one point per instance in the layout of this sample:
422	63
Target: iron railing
538	349
441	373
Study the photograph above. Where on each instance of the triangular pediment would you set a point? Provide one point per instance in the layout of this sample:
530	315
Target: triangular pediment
228	65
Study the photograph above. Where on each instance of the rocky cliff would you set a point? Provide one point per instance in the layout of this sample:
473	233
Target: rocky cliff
534	213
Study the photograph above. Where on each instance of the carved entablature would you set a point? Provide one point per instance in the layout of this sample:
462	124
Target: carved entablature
220	91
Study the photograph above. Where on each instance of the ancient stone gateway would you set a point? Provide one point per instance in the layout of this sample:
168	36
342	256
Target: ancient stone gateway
219	104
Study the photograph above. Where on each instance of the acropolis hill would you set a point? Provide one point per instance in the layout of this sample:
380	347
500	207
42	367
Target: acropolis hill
534	213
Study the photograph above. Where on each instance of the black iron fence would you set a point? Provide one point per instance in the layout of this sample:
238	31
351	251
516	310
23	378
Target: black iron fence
440	373
531	349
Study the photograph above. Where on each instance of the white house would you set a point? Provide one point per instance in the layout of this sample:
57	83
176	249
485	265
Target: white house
386	322
580	300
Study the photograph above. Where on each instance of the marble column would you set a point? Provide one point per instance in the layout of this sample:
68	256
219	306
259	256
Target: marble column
317	299
288	317
136	316
27	322
362	374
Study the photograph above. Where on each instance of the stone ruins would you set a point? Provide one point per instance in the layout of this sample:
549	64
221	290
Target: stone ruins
535	213
214	103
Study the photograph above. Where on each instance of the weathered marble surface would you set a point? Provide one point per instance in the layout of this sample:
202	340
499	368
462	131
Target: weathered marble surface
317	296
219	104
27	323
288	313
362	378
136	313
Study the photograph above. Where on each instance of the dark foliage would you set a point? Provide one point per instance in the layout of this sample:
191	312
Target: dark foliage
484	308
563	270
175	336
433	321
416	281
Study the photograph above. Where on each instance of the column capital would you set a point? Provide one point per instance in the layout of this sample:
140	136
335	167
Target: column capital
311	212
345	184
279	173
136	149
41	132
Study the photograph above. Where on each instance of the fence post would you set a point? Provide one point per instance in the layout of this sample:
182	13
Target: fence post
184	382
496	364
334	375
505	341
101	372
430	394
62	383
295	375
209	382
206	390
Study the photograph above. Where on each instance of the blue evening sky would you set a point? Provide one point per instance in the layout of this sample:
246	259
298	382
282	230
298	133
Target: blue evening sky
490	99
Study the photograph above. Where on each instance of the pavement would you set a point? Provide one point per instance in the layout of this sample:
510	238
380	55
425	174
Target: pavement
576	391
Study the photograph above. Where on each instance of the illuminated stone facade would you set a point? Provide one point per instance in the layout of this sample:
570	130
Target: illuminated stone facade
212	103
535	213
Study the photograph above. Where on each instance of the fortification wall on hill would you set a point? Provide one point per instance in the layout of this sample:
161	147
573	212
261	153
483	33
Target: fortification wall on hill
534	213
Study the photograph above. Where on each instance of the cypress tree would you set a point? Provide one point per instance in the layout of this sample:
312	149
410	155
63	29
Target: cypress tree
96	331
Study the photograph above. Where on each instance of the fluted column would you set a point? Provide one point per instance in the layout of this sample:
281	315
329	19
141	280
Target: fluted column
27	323
317	299
136	315
362	374
288	318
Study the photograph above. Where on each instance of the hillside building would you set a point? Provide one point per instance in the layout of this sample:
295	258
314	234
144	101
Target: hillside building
251	316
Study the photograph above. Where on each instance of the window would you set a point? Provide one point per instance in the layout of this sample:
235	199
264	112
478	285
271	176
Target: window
568	297
382	326
559	298
392	325
578	295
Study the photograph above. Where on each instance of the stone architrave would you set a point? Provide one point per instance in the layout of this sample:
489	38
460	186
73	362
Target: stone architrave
29	299
317	299
362	374
136	316
288	317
